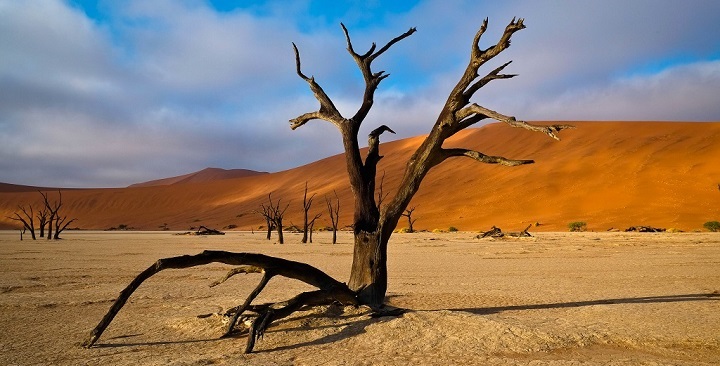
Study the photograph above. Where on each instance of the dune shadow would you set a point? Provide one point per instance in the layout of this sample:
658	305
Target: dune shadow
714	296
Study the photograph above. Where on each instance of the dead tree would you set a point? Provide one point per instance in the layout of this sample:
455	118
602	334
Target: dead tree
27	219
267	214
307	204
61	222
274	217
408	213
334	213
372	226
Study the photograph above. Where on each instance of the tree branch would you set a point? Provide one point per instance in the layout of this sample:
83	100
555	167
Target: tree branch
493	75
327	112
464	89
477	110
374	145
277	266
487	159
372	80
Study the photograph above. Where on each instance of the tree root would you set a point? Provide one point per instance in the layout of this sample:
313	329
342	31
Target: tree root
329	290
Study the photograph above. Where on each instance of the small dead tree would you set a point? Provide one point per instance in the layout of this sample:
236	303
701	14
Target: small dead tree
373	225
27	219
274	216
334	213
307	204
267	214
408	213
61	222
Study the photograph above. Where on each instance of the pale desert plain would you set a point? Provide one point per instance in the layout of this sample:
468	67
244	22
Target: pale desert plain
606	298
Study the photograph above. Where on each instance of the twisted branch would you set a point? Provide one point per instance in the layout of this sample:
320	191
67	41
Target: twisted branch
329	288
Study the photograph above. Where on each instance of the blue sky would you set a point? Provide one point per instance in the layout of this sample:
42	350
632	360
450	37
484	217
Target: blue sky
107	93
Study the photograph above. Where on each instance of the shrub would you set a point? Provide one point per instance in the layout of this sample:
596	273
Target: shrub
452	229
404	230
577	226
713	226
438	231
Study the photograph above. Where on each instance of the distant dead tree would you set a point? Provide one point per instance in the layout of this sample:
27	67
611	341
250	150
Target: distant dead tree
267	214
54	216
27	219
274	214
334	213
408	213
307	204
373	224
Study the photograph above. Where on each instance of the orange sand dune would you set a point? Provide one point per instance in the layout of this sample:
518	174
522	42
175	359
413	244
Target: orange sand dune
608	174
205	175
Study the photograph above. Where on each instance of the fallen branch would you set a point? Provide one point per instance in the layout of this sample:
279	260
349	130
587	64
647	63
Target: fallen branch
645	229
329	289
497	233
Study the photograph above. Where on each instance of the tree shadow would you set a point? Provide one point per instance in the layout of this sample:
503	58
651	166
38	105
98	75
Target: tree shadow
714	296
352	325
153	343
351	328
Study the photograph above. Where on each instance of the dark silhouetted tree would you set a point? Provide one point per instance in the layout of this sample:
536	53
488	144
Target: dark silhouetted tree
334	213
408	213
27	219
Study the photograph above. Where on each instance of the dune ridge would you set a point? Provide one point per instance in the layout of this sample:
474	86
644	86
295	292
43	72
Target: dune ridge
608	174
205	175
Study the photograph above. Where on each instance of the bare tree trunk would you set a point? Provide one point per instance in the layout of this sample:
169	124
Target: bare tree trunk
334	212
279	227
42	216
50	225
368	274
307	204
270	228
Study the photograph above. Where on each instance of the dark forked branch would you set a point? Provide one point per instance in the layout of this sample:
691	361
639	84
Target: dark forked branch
329	289
327	112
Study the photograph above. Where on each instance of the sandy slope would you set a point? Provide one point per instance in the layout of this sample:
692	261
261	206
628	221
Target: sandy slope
608	174
557	299
202	176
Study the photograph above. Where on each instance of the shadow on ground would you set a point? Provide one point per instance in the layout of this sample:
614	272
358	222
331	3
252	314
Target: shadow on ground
714	296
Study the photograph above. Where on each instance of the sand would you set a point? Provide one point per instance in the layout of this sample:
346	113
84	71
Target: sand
555	299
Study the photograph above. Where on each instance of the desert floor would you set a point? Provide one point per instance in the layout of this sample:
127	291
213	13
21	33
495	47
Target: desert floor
555	299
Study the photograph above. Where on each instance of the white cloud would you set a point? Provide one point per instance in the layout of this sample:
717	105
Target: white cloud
680	93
